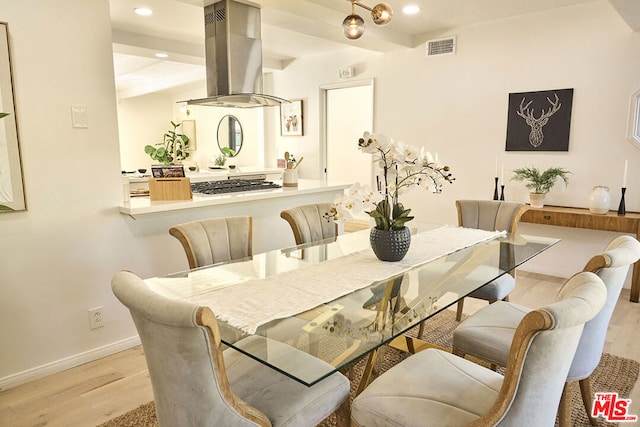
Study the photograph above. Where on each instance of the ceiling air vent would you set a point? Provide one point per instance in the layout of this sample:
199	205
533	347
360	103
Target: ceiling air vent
445	46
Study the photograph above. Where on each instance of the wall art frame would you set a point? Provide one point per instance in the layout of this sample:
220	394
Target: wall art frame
291	119
12	196
539	121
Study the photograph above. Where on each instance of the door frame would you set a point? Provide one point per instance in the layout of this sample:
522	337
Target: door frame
323	115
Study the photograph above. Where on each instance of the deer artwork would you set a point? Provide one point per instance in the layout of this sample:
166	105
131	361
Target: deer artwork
536	136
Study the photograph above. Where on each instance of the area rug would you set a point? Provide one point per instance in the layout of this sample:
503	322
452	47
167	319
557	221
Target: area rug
613	374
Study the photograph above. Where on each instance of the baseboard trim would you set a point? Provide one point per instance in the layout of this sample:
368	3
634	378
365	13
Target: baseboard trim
38	372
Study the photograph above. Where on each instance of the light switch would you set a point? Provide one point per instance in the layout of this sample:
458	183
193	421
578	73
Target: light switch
79	119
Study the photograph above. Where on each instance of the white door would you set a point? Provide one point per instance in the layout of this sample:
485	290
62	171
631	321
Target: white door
349	113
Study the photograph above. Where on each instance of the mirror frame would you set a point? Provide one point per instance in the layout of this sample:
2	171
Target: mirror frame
10	157
228	117
633	133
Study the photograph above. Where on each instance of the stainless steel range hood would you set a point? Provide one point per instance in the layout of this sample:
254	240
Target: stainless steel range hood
233	55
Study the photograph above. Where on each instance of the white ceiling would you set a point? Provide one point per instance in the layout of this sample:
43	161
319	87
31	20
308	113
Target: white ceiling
290	29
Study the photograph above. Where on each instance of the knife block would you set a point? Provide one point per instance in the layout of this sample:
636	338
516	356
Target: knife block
169	189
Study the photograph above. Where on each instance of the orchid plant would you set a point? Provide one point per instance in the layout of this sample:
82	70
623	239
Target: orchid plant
403	166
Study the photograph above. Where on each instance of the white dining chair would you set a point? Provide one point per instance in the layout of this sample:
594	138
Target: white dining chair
215	240
309	224
488	333
437	388
490	215
195	383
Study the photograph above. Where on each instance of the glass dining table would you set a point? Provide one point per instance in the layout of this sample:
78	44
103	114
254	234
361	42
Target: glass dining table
336	301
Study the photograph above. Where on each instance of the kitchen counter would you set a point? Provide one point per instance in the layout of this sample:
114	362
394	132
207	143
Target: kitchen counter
142	207
214	174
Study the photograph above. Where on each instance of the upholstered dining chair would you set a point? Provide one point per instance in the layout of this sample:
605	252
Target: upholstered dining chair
488	333
215	240
490	215
196	383
308	224
437	388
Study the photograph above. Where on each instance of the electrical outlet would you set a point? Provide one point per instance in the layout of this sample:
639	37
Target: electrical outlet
96	319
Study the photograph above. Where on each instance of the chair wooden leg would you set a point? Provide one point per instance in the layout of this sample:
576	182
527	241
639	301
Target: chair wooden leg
459	311
458	352
421	331
564	409
587	399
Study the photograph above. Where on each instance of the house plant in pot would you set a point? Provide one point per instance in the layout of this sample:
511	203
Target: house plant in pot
174	147
403	166
540	183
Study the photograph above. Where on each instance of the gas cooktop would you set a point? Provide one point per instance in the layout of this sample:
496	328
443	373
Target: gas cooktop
232	186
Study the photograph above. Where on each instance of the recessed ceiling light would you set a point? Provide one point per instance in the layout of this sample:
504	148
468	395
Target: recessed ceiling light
161	55
143	11
411	9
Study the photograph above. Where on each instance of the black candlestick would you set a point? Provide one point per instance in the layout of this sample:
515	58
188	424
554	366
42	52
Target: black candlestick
621	208
495	190
502	192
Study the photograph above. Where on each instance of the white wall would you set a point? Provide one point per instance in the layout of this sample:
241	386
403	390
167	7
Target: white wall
457	106
142	120
57	258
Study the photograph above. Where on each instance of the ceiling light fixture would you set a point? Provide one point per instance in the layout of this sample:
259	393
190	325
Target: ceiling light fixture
411	9
161	55
143	11
353	25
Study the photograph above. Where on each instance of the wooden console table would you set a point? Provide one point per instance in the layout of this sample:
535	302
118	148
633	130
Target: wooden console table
582	218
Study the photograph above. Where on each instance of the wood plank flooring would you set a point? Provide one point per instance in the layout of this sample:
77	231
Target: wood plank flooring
93	393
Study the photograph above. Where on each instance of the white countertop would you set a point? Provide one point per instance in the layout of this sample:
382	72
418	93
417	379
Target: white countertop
141	206
211	174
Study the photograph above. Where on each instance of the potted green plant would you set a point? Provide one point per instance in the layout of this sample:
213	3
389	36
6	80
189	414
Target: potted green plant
222	158
540	183
173	148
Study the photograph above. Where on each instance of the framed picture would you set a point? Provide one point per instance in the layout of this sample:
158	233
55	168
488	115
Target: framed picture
11	185
291	118
539	121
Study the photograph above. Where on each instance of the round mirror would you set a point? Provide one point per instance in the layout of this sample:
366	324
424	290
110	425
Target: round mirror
229	135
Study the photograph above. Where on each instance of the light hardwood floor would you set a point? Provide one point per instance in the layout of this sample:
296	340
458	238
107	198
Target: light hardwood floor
93	393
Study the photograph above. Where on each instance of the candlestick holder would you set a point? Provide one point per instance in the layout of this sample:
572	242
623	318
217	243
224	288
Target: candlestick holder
621	208
495	190
502	192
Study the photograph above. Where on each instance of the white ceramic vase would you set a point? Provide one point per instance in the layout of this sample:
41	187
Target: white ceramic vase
599	200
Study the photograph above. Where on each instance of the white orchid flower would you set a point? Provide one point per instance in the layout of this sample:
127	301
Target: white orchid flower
404	166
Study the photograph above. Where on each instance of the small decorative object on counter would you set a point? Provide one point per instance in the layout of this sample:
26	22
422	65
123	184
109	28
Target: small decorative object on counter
290	173
290	178
599	200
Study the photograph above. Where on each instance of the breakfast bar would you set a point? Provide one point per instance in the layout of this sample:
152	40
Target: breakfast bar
263	205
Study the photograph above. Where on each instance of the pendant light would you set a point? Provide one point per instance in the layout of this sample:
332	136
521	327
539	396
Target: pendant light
353	25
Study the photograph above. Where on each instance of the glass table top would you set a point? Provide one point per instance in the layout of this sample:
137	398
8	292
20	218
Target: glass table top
344	329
